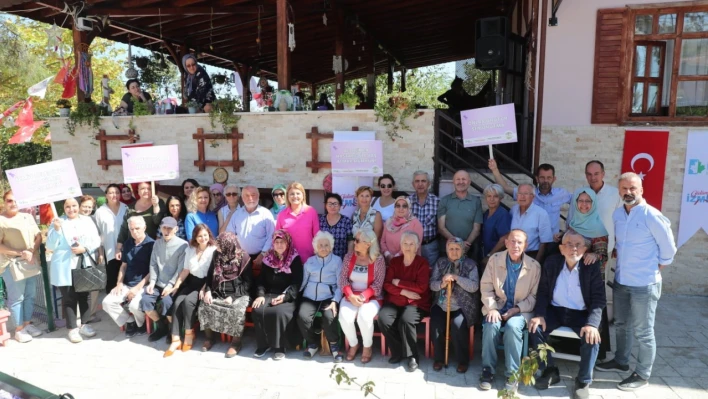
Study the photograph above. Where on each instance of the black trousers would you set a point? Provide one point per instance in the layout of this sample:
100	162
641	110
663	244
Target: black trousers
184	308
112	268
605	345
398	325
306	317
459	334
271	323
69	299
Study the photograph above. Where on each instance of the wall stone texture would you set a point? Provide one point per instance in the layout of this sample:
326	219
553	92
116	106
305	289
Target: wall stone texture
569	148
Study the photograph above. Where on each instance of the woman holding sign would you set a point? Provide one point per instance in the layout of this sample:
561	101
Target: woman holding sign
70	237
150	207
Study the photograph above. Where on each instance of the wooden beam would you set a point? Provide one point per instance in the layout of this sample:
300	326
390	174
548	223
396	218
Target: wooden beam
282	48
170	11
541	73
403	79
389	71
244	73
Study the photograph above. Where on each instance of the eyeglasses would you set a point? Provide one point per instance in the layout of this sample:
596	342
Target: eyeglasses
279	195
523	194
216	194
333	204
588	202
573	246
401	206
231	194
359	240
386	185
188	65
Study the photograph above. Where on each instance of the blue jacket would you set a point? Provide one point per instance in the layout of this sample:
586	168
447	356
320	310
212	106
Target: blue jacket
320	276
591	285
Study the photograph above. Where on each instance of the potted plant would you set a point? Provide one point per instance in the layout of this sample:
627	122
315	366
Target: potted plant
192	106
349	100
86	114
141	62
219	78
393	110
64	106
224	110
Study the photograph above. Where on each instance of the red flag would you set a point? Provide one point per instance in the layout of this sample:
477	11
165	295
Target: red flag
24	134
645	154
12	109
26	116
69	84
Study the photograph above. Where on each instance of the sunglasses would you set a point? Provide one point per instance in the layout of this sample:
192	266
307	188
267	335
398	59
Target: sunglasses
386	185
279	195
216	194
231	194
401	206
190	65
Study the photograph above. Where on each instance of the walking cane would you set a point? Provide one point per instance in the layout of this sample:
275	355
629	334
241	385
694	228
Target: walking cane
447	331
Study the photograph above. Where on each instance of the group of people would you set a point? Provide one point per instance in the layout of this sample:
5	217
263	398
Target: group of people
395	261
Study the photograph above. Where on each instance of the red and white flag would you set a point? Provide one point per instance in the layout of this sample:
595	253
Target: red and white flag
26	116
645	154
24	133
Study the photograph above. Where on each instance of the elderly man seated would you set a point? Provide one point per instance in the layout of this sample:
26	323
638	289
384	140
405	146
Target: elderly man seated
166	263
508	289
572	295
133	275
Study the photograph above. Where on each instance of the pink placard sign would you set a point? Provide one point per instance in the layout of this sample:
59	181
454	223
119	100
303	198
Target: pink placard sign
357	158
489	125
44	183
154	163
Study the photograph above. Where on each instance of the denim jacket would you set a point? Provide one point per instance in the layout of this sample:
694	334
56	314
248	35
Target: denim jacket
319	278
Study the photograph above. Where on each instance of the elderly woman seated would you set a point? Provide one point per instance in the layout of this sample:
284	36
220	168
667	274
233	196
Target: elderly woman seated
362	278
407	301
225	295
321	293
278	288
457	270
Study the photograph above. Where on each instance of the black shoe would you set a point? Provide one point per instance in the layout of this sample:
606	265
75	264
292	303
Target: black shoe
632	383
395	359
130	329
550	376
412	364
261	351
160	332
612	365
486	380
582	390
142	330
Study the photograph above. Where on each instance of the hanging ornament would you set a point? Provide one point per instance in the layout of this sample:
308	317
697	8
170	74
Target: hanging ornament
291	37
131	72
354	42
9	122
53	37
363	48
337	64
324	19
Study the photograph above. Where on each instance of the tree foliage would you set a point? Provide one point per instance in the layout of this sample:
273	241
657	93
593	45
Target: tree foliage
26	61
475	79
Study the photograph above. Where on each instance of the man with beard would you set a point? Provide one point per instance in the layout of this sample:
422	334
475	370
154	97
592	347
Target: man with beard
545	195
644	245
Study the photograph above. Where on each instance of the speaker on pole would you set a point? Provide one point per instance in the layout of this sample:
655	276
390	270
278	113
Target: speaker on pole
491	43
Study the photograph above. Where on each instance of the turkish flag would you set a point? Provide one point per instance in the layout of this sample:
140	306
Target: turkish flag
26	116
645	154
24	134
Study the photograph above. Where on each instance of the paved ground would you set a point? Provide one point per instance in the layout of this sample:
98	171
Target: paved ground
109	366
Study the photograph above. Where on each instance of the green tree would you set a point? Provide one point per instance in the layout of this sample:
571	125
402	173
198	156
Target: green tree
475	79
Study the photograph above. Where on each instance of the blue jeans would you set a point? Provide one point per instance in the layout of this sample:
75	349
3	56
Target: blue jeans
513	343
635	311
574	319
20	295
430	252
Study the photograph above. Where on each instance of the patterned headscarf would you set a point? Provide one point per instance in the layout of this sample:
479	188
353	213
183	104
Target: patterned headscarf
281	263
229	258
454	267
222	202
190	78
394	224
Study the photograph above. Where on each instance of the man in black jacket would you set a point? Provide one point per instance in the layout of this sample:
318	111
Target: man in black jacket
570	294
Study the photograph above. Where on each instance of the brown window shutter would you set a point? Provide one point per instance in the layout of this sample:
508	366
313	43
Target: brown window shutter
607	88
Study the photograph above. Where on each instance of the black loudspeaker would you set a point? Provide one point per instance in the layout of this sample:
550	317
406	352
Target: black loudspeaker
491	43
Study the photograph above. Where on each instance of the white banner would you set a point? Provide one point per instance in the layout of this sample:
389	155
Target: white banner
346	185
694	201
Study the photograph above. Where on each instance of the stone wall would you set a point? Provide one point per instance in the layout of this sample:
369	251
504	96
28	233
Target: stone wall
274	148
569	148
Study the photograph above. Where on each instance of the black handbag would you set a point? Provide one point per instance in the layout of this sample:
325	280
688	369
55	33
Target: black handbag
88	277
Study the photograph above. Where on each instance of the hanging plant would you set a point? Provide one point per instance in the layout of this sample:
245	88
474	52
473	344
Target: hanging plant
141	62
224	111
85	114
393	110
219	78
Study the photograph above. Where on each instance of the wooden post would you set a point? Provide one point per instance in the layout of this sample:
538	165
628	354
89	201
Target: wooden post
283	51
81	37
339	51
371	76
389	70
244	72
403	78
182	53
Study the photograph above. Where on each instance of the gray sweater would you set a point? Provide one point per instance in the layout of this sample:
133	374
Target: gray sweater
167	261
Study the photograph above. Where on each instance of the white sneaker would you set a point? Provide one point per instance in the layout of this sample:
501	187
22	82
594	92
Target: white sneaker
23	336
32	330
87	331
74	336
